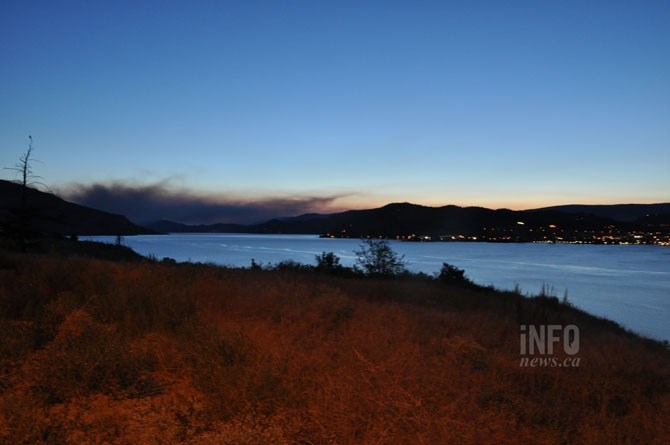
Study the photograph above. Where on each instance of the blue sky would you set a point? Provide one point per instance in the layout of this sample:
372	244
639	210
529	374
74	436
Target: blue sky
500	104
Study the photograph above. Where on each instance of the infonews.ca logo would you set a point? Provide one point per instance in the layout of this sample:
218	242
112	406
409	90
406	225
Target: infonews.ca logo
552	345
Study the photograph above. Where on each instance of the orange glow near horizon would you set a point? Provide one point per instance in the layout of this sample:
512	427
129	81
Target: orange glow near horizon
361	202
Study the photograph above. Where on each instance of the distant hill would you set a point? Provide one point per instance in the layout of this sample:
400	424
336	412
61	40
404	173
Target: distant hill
305	217
617	212
165	226
407	219
52	215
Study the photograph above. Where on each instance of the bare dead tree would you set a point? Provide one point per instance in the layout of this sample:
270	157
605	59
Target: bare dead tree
27	179
24	168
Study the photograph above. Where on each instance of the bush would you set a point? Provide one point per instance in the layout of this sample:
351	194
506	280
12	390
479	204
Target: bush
289	266
328	262
453	275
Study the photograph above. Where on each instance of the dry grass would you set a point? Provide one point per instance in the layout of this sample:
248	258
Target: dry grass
107	352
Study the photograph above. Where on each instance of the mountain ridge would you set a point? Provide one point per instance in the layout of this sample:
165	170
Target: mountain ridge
410	221
618	212
636	223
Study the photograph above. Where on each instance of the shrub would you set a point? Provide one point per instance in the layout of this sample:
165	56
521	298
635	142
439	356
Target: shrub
452	274
327	262
289	266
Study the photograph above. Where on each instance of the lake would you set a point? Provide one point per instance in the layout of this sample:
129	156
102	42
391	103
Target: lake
628	284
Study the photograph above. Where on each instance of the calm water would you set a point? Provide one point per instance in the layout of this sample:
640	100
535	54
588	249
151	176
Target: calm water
628	284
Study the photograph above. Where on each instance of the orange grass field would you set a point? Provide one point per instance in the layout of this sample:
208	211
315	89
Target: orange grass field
95	352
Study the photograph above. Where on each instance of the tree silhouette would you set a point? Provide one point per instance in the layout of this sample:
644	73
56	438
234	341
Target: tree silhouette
27	179
376	257
25	170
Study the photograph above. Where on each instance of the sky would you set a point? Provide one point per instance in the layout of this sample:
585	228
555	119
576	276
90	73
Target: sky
287	107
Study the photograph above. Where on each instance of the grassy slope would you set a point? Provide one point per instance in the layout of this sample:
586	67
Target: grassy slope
94	351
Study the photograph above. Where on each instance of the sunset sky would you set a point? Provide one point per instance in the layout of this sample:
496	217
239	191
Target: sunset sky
320	106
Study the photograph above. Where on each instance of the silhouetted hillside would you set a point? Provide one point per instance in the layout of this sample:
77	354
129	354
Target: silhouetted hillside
406	219
52	215
165	226
617	212
411	221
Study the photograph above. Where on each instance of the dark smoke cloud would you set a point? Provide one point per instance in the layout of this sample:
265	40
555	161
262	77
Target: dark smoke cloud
145	203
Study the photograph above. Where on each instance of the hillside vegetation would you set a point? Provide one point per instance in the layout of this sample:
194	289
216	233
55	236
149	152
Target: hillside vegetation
96	351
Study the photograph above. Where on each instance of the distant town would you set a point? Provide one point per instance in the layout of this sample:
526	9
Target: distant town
522	233
610	235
